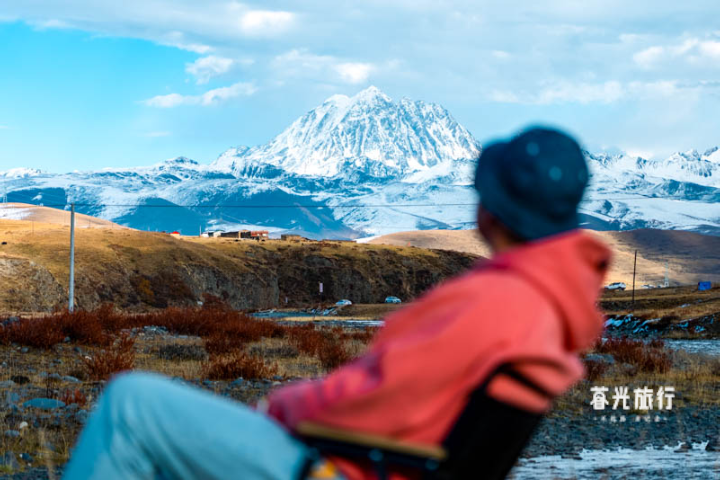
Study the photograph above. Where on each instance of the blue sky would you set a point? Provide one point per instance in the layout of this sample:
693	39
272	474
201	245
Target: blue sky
91	84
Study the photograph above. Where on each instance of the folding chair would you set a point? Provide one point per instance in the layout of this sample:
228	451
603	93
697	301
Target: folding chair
484	442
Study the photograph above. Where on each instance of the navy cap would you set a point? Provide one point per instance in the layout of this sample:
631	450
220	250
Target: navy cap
533	183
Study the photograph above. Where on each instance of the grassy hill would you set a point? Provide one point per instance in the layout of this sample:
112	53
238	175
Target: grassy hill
138	270
691	257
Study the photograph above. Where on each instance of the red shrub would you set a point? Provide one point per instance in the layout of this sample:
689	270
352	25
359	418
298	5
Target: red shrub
33	332
648	357
306	339
83	327
333	354
237	365
76	396
120	356
595	369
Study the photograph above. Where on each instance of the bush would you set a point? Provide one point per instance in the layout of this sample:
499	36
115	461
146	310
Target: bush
42	332
83	327
648	357
238	364
594	369
306	339
120	356
76	396
333	354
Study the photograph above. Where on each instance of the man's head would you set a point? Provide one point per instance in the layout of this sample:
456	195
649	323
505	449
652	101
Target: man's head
530	187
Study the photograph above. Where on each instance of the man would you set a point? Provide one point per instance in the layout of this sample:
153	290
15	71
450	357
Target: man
535	298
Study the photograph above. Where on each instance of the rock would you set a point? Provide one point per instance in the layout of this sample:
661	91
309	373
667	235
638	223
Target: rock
26	457
238	382
713	445
66	340
11	398
571	456
601	357
24	350
44	403
6	384
9	461
23	425
81	416
71	379
20	379
12	433
685	447
55	376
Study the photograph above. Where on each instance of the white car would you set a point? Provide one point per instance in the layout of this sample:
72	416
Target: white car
392	300
343	302
616	286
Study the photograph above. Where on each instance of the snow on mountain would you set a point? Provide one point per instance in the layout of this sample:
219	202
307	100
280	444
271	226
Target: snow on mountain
21	173
362	165
368	132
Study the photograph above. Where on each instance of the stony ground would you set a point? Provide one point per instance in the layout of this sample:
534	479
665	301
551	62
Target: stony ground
45	400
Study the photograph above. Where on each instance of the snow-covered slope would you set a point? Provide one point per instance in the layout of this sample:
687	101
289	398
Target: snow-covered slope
367	133
365	165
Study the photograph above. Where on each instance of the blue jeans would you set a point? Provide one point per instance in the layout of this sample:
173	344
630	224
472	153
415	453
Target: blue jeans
150	427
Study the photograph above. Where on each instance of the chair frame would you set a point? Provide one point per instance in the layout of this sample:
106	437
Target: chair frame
461	451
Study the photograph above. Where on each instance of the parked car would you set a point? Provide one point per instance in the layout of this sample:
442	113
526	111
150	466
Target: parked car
392	299
649	286
616	286
343	302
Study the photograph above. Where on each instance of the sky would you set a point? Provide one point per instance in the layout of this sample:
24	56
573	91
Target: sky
88	84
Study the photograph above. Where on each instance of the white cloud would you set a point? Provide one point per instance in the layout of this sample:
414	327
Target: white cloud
692	50
266	22
207	67
648	57
157	134
595	93
568	92
354	72
501	54
301	63
209	98
51	23
504	96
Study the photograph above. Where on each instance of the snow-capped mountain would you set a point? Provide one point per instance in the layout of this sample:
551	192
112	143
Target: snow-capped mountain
364	165
367	133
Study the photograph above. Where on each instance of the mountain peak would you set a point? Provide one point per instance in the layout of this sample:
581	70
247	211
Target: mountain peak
368	135
180	161
372	93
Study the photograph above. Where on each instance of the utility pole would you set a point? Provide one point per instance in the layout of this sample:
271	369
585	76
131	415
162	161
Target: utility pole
71	301
634	270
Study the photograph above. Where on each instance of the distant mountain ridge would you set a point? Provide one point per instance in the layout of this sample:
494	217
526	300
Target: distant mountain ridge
360	166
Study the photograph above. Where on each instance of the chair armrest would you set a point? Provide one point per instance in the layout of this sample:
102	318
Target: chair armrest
370	441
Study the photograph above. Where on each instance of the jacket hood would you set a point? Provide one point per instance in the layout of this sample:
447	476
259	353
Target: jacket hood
570	269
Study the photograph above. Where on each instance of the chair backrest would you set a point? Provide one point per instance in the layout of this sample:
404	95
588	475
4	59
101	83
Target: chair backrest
488	437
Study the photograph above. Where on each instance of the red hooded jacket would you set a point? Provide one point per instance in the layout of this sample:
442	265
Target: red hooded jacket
537	300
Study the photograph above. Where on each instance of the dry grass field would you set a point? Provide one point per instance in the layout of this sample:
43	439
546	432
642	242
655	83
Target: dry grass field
137	270
691	257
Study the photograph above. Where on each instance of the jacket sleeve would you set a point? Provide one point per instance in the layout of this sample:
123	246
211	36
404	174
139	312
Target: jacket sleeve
406	373
308	399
